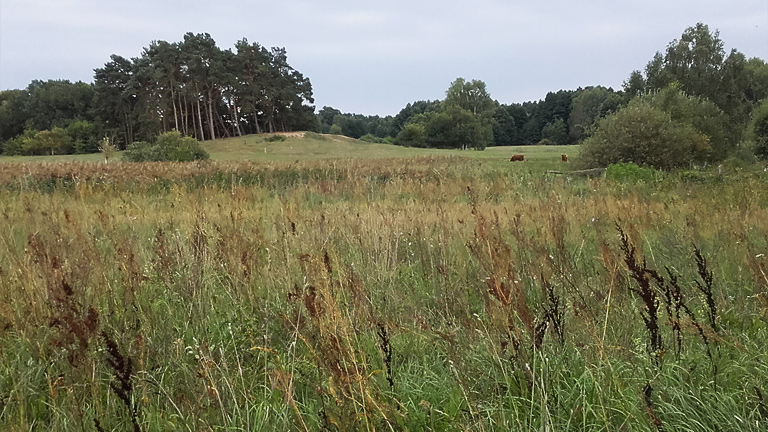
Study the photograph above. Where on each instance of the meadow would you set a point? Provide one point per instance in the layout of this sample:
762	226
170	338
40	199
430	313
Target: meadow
327	284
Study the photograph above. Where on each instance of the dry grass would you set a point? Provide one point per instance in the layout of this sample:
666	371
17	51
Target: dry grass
440	293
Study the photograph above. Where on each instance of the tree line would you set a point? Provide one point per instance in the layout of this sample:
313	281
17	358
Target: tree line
695	91
562	117
694	85
192	86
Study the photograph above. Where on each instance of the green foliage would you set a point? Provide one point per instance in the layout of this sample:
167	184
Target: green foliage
335	130
630	172
13	114
189	86
56	103
84	136
699	64
17	145
275	138
470	96
371	139
455	127
32	142
355	125
54	141
556	132
589	106
412	135
702	114
170	146
759	129
465	119
407	114
645	135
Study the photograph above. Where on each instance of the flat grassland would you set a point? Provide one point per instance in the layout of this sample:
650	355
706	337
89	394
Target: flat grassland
328	284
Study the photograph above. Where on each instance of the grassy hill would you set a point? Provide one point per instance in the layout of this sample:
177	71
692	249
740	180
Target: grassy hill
316	146
312	146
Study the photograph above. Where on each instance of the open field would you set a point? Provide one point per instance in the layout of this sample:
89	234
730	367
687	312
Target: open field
382	290
316	146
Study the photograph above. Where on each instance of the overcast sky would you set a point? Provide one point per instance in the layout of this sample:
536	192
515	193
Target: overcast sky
375	57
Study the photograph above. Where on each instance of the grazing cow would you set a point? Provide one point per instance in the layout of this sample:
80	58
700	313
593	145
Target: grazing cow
564	157
517	157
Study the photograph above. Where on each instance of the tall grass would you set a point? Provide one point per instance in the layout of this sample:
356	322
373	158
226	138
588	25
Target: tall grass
420	294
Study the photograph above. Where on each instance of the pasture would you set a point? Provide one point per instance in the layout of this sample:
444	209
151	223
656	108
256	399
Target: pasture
328	284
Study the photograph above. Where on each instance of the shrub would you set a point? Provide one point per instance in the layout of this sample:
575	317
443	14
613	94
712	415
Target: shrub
84	136
335	130
170	146
644	135
275	138
703	115
49	142
16	146
412	135
630	173
371	139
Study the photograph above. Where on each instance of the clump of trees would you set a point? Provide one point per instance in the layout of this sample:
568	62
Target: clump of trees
463	120
191	86
691	106
202	91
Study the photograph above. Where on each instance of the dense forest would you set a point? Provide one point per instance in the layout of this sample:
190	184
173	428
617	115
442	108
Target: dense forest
204	92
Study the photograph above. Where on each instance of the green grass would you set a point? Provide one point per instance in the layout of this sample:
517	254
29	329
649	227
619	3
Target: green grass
298	147
448	291
254	147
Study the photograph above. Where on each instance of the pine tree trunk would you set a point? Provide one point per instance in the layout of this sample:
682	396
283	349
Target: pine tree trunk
200	120
175	113
236	118
210	115
256	120
184	113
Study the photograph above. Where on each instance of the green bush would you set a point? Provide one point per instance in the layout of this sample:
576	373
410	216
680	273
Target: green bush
170	146
335	130
371	139
701	114
48	142
84	136
275	138
629	172
645	135
412	135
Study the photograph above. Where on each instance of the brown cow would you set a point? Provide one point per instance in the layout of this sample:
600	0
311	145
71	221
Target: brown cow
517	157
564	157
